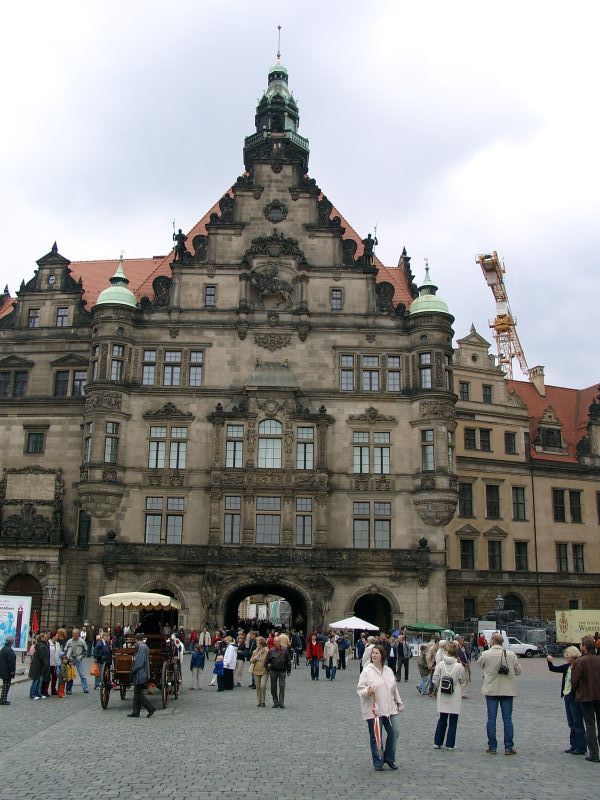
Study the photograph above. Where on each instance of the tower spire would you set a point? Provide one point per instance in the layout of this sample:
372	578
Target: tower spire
279	44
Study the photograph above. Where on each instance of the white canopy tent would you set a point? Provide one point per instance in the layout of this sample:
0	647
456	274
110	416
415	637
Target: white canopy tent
146	601
352	624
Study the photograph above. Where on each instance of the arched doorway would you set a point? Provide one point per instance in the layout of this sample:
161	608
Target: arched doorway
376	609
154	621
27	586
294	613
513	602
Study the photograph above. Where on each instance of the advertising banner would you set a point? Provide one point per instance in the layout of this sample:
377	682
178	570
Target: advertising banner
14	620
572	626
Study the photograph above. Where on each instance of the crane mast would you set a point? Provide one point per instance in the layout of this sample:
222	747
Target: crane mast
504	324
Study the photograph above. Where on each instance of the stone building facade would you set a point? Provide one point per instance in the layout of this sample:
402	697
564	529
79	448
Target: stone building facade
265	409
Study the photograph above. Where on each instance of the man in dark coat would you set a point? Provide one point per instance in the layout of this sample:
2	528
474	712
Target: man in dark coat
39	669
279	664
8	666
140	675
585	682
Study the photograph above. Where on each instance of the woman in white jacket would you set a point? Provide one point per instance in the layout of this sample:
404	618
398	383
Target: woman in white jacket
377	688
448	678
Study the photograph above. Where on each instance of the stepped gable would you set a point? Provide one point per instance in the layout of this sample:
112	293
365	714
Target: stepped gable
571	407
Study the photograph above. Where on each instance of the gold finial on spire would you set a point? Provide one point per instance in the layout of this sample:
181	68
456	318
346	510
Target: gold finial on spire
279	44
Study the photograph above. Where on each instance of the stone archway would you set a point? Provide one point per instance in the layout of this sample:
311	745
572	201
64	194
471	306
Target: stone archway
512	602
154	621
300	604
374	604
23	585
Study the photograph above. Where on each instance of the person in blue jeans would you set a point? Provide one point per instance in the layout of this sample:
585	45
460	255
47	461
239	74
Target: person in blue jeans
449	695
577	744
76	649
500	668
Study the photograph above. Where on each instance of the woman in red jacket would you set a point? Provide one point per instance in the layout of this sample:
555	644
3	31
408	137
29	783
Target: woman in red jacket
314	654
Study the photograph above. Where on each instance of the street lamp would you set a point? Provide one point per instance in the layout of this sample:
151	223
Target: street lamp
50	595
500	613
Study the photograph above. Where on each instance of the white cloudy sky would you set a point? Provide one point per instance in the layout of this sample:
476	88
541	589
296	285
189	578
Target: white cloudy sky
457	127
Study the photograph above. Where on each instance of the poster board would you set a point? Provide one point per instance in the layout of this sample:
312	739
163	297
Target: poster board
572	626
15	613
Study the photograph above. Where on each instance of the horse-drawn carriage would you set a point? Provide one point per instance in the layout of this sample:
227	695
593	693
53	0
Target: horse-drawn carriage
165	662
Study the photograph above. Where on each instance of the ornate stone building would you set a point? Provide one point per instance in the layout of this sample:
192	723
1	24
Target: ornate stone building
266	409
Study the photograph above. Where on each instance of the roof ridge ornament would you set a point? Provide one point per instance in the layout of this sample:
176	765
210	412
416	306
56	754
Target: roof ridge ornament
279	44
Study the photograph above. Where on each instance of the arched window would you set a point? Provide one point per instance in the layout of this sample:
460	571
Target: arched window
269	444
514	603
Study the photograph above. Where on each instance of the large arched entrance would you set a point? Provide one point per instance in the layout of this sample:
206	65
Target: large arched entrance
154	621
27	586
376	609
295	616
513	602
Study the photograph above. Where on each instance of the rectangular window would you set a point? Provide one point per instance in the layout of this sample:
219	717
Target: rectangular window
469	609
382	534
573	604
360	453
467	554
5	381
234	447
551	438
470	439
172	368
485	440
156	455
61	383
196	370
33	318
304	509
177	455
465	499
111	443
35	442
336	299
492	501
149	368
233	520
578	558
153	528
558	505
84	525
268	526
427	451
79	383
20	384
463	390
116	370
210	296
495	555
370	373
87	442
361	533
62	317
305	448
510	443
575	506
394	375
518	503
562	557
486	391
522	556
174	528
450	438
347	373
118	350
381	453
169	526
269	453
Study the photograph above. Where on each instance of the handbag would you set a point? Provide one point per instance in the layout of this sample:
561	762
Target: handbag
251	669
95	670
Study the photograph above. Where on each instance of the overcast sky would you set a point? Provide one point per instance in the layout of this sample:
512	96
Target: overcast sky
457	127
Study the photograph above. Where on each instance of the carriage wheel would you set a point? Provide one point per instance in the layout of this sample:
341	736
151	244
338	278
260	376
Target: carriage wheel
176	680
122	690
105	686
165	684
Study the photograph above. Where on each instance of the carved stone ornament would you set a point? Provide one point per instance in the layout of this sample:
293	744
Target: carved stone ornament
436	408
173	333
267	282
242	329
382	485
349	248
324	219
272	341
175	479
305	185
273	319
271	406
371	415
275	211
274	246
103	401
303	331
384	294
371	337
226	207
30	527
422	579
200	245
161	286
169	411
435	511
361	484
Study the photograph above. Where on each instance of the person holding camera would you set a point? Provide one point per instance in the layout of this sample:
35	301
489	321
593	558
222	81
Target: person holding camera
500	668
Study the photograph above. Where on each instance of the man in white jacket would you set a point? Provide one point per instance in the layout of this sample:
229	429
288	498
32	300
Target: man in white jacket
229	662
500	668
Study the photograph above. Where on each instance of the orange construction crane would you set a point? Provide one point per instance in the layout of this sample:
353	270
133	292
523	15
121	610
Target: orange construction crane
504	325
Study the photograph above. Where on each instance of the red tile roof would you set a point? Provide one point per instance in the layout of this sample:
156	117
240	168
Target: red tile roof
570	406
142	271
6	304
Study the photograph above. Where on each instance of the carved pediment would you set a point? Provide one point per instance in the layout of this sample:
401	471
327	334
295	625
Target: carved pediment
549	417
169	411
275	246
495	532
467	532
513	399
371	415
70	360
15	362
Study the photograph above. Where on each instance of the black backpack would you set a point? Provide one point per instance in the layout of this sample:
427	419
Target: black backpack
447	683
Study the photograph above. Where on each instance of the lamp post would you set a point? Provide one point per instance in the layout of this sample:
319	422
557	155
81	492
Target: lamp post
500	613
50	596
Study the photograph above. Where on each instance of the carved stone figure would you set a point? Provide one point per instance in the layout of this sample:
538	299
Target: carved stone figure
180	249
268	283
369	244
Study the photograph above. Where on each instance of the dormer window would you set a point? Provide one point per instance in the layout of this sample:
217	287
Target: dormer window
550	438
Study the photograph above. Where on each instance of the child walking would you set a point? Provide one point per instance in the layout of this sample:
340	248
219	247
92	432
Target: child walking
219	672
196	666
63	675
423	685
448	679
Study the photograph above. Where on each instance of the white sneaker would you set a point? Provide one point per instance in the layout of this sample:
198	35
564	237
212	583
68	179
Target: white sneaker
452	749
436	747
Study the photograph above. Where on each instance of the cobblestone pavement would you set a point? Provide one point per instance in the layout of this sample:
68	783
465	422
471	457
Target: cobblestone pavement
206	745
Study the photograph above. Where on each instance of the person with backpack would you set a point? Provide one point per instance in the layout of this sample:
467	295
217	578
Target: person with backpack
448	678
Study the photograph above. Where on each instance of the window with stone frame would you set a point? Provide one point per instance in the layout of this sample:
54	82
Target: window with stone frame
149	368
304	521
196	368
463	390
94	361
234	446
370	373
522	556
425	371
562	557
164	520
575	506
427	451
13	383
394	373
447	373
62	317
270	438
486	393
347	372
305	447
371	524
232	522
578	552
111	443
210	296
519	507
485	440
268	520
467	553
495	555
88	431
336	299
33	318
117	363
35	442
470	439
172	368
70	382
510	443
165	440
550	438
84	527
558	505
465	499
492	501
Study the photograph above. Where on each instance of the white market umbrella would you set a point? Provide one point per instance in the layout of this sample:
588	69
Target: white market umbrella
353	623
148	601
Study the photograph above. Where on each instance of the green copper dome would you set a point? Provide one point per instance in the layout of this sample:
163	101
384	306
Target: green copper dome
117	293
427	302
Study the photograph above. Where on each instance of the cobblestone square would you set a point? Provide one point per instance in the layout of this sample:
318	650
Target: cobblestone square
207	744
